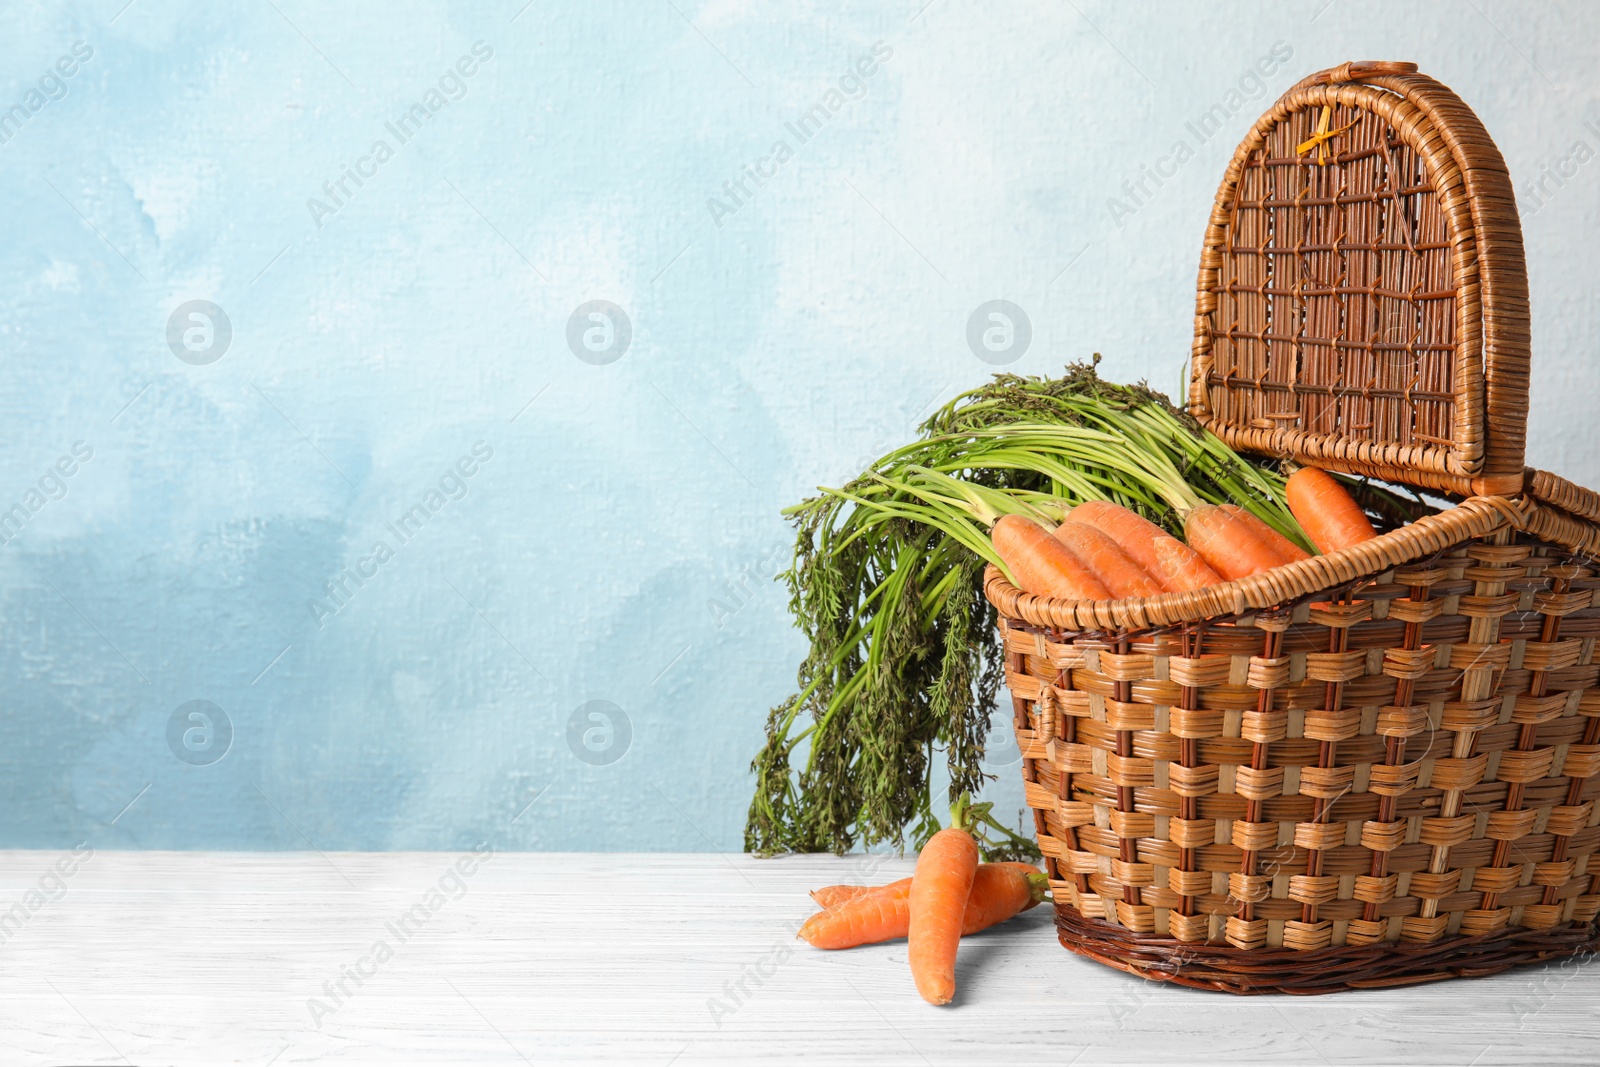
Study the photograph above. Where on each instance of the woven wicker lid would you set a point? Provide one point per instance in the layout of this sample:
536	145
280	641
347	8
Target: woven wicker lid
1363	299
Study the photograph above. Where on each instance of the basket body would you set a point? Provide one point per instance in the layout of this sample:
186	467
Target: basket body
1380	766
1396	784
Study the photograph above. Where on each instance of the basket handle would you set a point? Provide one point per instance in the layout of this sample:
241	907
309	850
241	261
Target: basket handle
1357	70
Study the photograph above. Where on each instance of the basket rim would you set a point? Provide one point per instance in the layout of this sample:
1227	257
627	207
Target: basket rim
1474	517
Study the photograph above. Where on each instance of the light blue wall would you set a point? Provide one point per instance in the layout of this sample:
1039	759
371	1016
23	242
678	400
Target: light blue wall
774	347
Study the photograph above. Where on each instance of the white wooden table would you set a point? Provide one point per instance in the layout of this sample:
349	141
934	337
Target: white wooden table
210	958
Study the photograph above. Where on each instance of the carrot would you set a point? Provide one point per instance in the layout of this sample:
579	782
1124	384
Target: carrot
1042	565
1182	568
940	887
999	891
1174	564
831	896
1326	510
1234	542
1117	570
1286	549
1026	868
875	915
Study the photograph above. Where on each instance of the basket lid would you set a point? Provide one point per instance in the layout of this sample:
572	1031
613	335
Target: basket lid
1363	299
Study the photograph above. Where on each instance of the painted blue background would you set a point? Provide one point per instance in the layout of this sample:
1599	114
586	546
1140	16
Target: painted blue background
617	544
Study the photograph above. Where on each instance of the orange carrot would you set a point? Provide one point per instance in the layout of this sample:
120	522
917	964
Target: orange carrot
1117	570
940	887
876	915
1326	510
1233	541
1286	549
1025	868
1182	568
831	896
999	891
1042	565
1174	564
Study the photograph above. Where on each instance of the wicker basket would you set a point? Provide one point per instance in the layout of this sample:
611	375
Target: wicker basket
1376	767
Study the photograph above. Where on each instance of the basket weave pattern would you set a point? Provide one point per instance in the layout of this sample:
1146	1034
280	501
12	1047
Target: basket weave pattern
1363	293
1417	760
1345	298
1379	766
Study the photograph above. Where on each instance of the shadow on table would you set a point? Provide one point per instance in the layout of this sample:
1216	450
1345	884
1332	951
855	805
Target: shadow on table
979	951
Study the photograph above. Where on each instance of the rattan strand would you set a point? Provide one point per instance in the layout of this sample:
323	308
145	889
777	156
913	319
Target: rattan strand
1385	966
1556	490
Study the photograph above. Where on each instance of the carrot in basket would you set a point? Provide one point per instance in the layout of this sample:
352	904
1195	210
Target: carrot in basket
1168	560
1234	542
1285	548
1327	512
940	887
999	891
1117	570
1042	565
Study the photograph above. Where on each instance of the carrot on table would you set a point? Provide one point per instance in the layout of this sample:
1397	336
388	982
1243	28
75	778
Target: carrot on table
1042	565
1326	511
831	896
1236	543
1168	560
1117	570
940	887
876	915
999	891
1025	868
